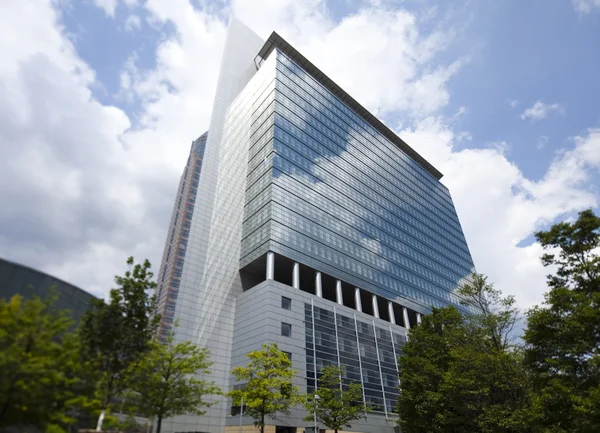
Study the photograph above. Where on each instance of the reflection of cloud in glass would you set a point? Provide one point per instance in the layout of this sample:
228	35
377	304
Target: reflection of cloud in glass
309	161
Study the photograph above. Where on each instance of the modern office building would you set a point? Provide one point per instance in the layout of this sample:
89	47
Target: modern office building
313	226
16	279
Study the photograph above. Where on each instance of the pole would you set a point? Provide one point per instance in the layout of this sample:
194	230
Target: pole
315	412
241	414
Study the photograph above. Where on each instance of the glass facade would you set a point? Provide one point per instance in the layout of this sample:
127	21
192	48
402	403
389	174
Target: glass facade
367	353
328	190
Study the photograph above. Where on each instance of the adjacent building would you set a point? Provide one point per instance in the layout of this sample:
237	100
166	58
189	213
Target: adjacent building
173	260
16	279
312	225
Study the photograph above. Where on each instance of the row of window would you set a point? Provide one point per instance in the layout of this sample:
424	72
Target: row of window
304	127
375	254
341	221
384	276
287	203
388	192
407	222
288	67
365	353
257	238
353	147
319	256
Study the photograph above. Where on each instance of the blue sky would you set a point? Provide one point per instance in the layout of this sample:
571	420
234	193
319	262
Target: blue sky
518	52
100	100
529	51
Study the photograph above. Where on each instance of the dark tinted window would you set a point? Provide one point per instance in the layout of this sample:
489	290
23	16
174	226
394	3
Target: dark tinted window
286	329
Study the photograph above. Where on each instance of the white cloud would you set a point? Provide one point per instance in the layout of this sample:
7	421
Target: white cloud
586	6
501	146
132	23
463	136
540	110
381	48
499	207
83	194
512	103
542	142
108	6
86	190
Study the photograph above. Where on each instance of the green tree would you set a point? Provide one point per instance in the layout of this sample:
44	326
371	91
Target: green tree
40	380
423	365
335	403
460	372
128	425
116	334
268	386
563	335
165	384
495	316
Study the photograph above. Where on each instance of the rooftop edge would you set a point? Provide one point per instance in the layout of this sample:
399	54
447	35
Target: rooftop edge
276	41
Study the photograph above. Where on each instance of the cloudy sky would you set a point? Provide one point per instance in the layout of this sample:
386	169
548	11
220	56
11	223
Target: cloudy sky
100	100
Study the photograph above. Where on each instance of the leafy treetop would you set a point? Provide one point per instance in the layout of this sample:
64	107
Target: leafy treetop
335	403
166	380
563	335
268	386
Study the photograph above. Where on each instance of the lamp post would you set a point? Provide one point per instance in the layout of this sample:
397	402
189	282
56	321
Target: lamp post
315	412
241	413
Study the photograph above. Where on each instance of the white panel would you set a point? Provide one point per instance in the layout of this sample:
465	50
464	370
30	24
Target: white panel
206	306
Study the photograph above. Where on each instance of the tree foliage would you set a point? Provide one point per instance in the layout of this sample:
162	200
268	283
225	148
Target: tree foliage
268	386
496	315
129	424
563	335
459	373
41	373
116	334
165	380
335	403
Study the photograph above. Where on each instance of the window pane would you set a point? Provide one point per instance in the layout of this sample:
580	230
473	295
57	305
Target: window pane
286	329
286	303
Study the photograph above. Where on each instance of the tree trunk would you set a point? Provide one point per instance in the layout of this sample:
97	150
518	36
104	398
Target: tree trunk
262	423
4	408
6	404
105	403
100	420
158	424
11	388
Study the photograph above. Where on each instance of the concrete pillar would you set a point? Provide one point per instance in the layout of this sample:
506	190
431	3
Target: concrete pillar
318	285
270	265
357	300
338	292
405	317
375	306
296	276
391	312
419	318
